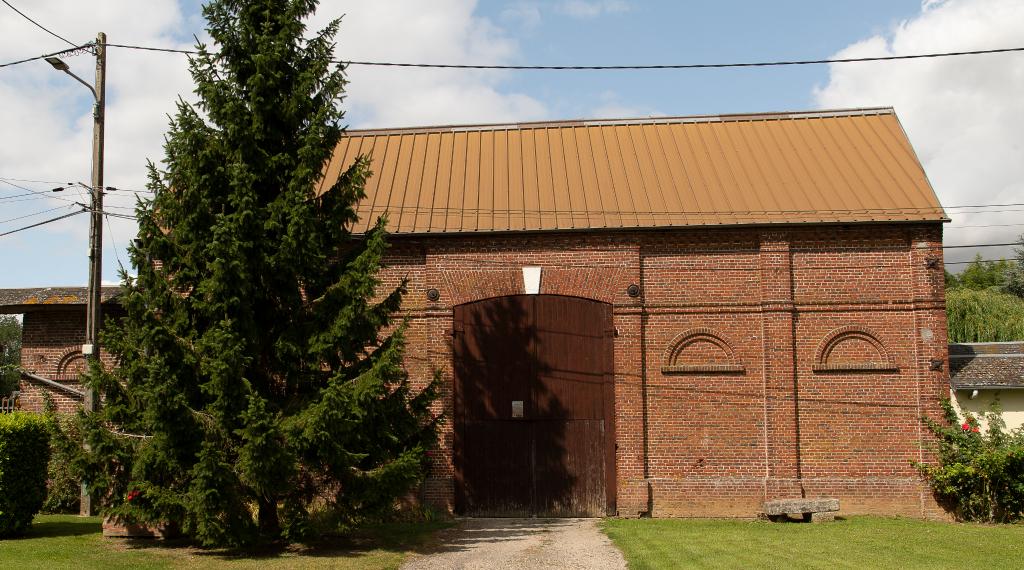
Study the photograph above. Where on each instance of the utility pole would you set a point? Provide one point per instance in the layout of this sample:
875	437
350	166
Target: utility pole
93	320
91	346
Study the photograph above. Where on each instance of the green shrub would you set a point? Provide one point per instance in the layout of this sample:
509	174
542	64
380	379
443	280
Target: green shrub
24	453
63	480
980	476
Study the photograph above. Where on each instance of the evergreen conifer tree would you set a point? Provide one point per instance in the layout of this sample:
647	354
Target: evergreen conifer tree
259	367
1015	283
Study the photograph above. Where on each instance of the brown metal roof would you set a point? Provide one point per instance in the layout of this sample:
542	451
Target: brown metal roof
39	298
835	166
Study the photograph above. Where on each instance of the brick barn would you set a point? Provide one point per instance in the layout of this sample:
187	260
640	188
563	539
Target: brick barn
680	316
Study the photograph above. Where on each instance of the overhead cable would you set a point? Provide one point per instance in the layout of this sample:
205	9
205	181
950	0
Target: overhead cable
38	25
51	220
625	67
1016	243
33	214
77	50
977	261
110	234
42	194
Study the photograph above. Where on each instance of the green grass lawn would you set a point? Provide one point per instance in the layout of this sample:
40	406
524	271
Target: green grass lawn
857	542
65	541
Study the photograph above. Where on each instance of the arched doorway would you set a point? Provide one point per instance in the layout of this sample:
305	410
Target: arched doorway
534	407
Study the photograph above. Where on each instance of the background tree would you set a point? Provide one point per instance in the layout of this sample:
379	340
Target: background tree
1015	278
255	374
985	302
980	274
10	353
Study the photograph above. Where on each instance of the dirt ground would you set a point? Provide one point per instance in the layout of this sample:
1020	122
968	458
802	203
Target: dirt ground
521	544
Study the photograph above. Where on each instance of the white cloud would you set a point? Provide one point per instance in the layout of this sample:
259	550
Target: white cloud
525	14
445	31
929	4
47	119
612	107
964	115
591	8
47	122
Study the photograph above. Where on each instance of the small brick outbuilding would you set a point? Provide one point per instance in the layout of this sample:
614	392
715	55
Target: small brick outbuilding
679	316
53	329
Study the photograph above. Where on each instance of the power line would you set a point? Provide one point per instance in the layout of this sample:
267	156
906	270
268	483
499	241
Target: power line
77	50
573	214
66	185
115	214
958	246
129	208
38	25
625	67
986	225
916	208
110	234
51	220
39	195
43	194
1016	243
533	213
977	260
987	205
36	181
33	214
5	198
505	264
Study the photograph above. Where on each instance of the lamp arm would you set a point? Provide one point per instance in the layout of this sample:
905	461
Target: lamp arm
83	82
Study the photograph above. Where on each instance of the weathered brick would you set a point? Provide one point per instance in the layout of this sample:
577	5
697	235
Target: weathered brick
826	333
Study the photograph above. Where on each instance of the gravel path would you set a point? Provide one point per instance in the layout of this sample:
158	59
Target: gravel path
522	544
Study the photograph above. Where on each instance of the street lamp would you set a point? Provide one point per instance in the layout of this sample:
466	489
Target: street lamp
59	65
91	347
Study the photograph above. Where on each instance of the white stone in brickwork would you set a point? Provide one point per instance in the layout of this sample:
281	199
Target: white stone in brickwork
531	280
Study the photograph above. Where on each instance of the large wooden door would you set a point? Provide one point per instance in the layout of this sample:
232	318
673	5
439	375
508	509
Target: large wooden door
533	407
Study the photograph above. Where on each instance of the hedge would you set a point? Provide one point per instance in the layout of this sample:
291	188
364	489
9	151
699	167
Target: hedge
24	454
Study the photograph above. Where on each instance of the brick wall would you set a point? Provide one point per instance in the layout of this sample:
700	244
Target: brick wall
51	347
755	364
819	341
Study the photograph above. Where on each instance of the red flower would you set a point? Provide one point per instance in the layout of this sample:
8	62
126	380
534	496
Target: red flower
132	495
966	426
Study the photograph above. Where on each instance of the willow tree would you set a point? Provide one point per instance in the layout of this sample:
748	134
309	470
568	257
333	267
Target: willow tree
259	370
984	316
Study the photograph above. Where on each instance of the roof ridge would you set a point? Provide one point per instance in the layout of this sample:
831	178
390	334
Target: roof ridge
668	119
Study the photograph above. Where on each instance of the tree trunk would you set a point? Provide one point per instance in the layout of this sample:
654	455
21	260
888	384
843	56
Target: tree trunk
269	525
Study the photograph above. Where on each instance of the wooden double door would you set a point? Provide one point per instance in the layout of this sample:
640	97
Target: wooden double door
534	407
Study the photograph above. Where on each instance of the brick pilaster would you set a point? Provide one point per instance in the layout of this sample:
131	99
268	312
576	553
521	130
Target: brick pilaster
782	463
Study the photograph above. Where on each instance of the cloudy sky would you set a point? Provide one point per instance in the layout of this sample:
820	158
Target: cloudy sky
964	115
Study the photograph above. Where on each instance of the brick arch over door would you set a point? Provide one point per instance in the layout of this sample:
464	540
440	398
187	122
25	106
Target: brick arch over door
534	407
